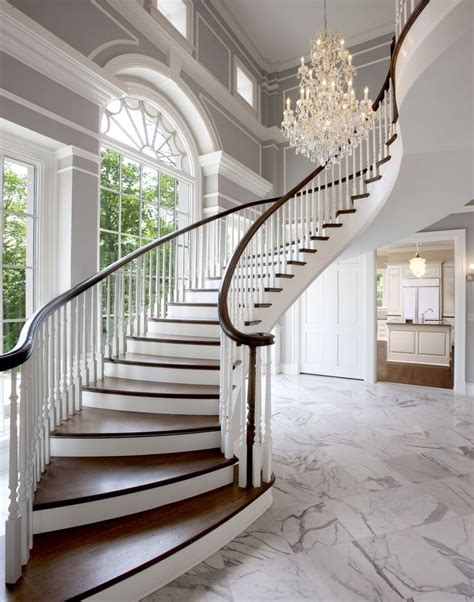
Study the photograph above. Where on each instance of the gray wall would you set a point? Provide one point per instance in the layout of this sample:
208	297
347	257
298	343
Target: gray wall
463	221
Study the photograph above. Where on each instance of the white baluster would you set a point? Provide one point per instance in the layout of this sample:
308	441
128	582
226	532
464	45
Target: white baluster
13	533
257	448
243	421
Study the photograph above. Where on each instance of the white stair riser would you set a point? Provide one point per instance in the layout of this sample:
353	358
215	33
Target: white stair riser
133	446
155	405
192	312
175	349
74	515
164	375
183	329
201	296
159	574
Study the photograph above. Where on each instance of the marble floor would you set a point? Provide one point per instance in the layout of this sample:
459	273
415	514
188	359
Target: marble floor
373	501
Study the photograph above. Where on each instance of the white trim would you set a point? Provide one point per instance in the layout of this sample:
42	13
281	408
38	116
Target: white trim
459	239
369	301
220	163
35	46
74	151
237	64
132	39
172	31
290	369
42	111
75	168
229	52
237	124
465	209
140	18
158	575
469	388
219	195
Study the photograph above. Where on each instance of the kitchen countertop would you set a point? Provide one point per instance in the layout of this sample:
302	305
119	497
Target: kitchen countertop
428	323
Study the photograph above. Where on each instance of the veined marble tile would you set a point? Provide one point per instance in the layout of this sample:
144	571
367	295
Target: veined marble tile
282	579
419	468
453	539
451	459
353	453
414	506
376	475
300	461
205	587
364	516
333	483
343	573
457	493
413	566
213	563
314	526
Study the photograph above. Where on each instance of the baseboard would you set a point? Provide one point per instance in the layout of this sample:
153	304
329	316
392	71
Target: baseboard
469	388
289	369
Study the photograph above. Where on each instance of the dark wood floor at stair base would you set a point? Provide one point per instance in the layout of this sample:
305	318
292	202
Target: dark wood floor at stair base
98	422
74	563
411	374
78	480
127	386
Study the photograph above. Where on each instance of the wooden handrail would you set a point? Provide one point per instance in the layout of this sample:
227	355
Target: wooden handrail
263	339
22	350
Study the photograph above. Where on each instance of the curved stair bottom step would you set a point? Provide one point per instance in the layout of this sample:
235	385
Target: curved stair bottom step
107	508
130	557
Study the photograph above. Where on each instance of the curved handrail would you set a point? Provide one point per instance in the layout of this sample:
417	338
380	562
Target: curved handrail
264	339
22	350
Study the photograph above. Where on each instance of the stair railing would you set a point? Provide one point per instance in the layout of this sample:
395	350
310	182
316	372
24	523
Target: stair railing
63	346
275	244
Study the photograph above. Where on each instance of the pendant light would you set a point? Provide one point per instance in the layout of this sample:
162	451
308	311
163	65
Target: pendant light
418	264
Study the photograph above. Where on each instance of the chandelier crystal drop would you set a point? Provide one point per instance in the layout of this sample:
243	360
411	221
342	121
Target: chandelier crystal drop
328	121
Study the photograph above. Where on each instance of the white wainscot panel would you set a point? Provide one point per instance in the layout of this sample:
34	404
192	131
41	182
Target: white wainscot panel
401	341
433	343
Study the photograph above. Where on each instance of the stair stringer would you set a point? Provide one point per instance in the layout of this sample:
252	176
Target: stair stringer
339	239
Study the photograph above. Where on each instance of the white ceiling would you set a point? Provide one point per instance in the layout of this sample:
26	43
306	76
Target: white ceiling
280	30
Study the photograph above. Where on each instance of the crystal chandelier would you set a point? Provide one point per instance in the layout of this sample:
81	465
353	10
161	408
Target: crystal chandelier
328	120
418	264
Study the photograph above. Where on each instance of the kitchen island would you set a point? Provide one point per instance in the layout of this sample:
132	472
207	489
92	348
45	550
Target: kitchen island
419	343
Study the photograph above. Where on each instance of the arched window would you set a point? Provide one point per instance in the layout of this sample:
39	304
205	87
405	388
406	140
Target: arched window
146	178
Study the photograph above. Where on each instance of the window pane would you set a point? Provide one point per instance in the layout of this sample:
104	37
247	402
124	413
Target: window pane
130	177
14	239
15	186
110	169
11	332
130	244
167	221
14	293
244	85
149	185
130	215
167	191
109	210
108	248
149	221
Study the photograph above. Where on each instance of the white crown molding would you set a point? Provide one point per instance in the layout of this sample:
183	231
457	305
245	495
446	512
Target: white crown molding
137	16
27	41
220	163
74	151
240	33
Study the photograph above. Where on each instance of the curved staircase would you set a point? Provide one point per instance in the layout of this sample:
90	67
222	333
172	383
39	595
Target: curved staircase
143	395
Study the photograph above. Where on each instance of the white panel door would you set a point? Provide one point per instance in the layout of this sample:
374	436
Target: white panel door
332	322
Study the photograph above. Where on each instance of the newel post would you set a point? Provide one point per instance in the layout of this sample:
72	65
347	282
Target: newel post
251	396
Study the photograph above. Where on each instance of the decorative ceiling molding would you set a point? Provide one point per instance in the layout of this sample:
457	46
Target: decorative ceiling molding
173	47
220	163
27	41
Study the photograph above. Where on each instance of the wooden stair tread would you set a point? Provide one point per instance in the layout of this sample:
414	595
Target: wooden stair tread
67	481
164	361
96	422
295	262
332	225
127	386
363	195
391	140
71	564
177	338
372	179
314	237
345	211
384	160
